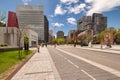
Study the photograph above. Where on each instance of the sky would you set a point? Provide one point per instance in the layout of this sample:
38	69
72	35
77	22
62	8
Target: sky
63	14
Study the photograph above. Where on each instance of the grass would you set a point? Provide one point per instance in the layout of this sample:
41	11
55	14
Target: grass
9	59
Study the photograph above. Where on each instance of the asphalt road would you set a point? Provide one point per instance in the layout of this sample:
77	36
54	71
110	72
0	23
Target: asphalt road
79	64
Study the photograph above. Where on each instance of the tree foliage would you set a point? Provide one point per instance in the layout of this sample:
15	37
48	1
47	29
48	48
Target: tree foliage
117	37
99	37
59	41
69	41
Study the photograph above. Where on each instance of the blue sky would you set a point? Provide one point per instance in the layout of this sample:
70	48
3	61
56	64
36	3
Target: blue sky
63	14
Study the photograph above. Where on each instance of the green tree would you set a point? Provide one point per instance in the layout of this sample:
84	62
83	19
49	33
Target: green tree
22	34
69	41
54	41
100	36
117	37
60	40
26	40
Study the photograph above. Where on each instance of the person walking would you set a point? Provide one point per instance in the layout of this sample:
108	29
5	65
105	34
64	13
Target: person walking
74	43
38	47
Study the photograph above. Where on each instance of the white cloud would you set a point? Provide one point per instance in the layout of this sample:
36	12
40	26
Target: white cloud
51	16
59	10
25	2
71	21
77	8
69	1
88	1
57	24
99	6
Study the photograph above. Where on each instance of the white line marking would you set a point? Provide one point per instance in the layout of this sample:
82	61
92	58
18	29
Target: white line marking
76	66
68	60
108	69
72	63
88	74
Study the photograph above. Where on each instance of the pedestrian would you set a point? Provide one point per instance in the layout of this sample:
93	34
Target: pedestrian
74	43
38	47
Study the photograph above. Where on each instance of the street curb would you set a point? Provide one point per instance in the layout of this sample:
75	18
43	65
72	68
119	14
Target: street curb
19	66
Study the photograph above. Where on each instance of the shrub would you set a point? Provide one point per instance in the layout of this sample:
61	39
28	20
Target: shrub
3	44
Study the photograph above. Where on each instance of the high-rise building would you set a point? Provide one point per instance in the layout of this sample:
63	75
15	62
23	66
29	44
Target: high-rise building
46	28
99	23
12	19
60	34
51	36
31	17
84	23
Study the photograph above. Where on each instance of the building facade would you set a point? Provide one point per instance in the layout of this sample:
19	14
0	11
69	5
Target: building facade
60	34
12	19
83	23
72	34
46	28
10	36
31	17
32	36
99	23
51	36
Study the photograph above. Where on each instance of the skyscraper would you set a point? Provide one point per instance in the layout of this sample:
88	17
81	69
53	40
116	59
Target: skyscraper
46	28
97	22
84	23
100	23
31	17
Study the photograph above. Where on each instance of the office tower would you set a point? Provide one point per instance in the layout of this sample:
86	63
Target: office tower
46	28
99	23
31	17
84	23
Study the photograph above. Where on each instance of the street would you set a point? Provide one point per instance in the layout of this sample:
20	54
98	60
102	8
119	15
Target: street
79	64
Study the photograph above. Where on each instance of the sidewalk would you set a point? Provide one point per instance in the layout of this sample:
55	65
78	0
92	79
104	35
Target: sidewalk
115	48
39	67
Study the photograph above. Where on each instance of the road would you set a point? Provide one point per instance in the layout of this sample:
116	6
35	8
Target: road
78	64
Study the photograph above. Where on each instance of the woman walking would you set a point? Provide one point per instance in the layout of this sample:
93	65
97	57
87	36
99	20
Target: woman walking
38	47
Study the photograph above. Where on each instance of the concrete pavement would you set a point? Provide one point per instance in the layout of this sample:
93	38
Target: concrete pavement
39	67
